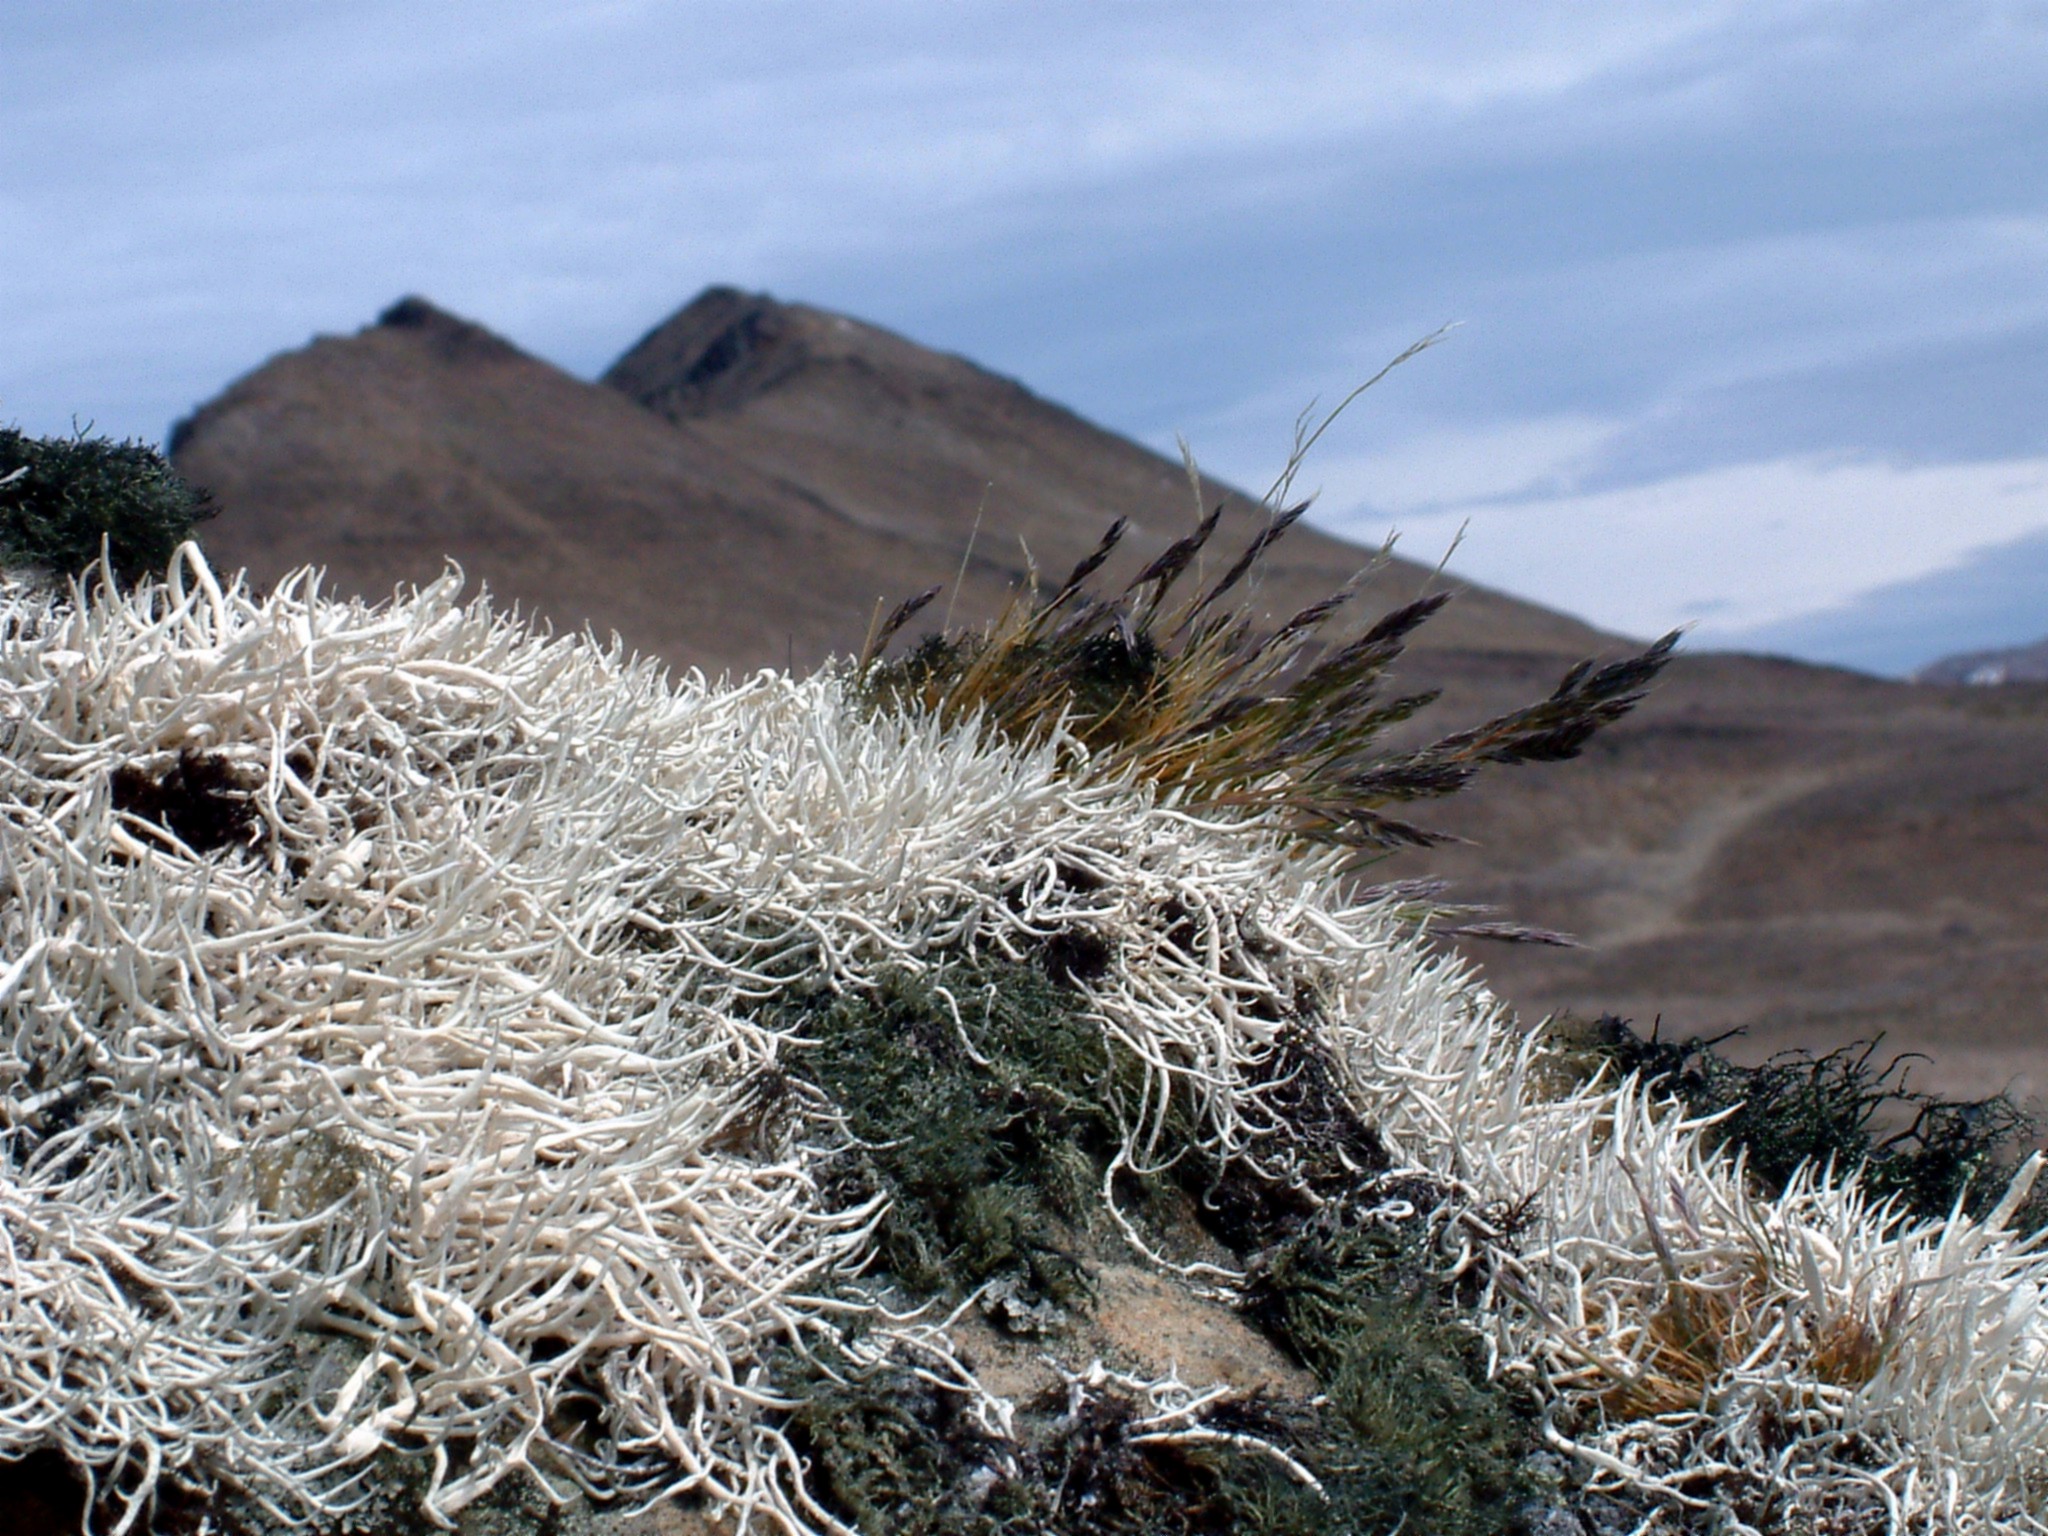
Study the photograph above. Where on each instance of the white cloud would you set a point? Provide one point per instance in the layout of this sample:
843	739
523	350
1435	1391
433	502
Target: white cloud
1452	466
1734	549
1783	300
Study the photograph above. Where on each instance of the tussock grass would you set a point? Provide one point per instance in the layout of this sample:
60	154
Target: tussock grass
1196	696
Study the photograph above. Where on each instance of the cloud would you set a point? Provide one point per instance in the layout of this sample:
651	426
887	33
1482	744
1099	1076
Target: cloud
1446	468
1958	397
1996	599
1740	548
1689	240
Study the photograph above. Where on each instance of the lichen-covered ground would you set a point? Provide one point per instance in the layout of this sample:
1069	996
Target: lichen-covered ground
453	1075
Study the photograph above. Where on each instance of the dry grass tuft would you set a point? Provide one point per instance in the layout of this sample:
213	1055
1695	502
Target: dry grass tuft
1196	696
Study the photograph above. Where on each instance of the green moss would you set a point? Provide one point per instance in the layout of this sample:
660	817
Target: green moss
987	1133
1414	1428
1410	1437
59	497
893	1456
990	1133
889	1452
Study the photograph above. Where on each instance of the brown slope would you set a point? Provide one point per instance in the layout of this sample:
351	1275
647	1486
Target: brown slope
1812	855
886	434
425	438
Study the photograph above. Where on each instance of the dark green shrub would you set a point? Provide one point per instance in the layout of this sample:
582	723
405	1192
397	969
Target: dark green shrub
1797	1108
61	496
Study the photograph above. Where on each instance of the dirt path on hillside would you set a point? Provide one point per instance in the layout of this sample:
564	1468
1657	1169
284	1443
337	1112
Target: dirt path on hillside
1664	882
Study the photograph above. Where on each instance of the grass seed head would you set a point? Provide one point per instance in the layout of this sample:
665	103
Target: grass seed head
1199	699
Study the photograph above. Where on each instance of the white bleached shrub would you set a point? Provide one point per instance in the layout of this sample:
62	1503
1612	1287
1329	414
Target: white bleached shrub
381	1059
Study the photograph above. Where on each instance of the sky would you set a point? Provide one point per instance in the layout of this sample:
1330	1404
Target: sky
1750	301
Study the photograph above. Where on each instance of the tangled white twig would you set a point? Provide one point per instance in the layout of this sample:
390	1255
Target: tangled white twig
420	1099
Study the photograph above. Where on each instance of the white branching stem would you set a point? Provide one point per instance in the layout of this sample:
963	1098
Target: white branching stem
382	1068
1176	1414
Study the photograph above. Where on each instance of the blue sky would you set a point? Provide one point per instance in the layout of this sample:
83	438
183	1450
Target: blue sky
1752	299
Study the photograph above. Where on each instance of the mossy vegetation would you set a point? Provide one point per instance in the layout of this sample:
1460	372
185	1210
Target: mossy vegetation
61	496
894	1456
1798	1109
982	1104
982	1099
1420	1430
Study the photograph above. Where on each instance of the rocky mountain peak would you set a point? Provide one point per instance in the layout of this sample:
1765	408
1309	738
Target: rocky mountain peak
721	349
449	335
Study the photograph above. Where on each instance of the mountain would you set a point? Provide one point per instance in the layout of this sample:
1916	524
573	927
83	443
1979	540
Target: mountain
1811	853
891	435
741	490
2017	664
425	437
